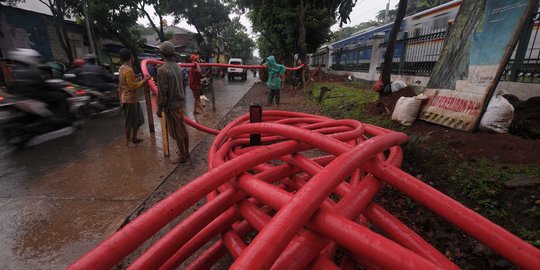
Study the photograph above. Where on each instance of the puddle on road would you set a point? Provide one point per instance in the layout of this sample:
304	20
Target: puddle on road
40	237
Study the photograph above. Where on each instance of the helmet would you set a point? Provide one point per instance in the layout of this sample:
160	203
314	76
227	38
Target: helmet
26	56
78	62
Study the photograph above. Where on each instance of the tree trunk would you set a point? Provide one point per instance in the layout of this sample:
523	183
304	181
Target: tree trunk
454	60
61	32
302	48
269	40
159	31
389	54
218	54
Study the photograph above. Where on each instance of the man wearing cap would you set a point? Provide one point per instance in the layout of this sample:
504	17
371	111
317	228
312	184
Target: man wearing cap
171	100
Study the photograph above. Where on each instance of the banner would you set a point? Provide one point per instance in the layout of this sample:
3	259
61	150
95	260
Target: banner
491	46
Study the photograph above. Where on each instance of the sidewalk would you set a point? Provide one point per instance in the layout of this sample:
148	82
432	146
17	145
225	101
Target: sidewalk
55	217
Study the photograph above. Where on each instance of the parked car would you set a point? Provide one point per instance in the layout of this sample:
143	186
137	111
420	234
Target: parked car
234	72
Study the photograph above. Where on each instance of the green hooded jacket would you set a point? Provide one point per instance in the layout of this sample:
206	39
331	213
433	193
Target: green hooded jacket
275	71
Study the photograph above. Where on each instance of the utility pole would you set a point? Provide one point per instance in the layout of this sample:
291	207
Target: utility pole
88	29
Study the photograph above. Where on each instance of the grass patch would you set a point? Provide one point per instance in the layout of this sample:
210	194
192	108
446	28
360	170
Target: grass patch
349	101
483	182
478	183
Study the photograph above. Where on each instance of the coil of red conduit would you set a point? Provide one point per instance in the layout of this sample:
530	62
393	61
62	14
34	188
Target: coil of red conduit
306	193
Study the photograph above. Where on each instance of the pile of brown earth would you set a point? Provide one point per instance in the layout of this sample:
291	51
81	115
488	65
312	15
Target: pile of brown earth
526	122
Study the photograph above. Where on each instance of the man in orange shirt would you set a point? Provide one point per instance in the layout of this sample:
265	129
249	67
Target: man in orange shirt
195	77
128	87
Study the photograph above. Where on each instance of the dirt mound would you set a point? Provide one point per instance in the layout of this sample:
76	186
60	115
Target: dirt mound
387	103
526	123
377	108
500	147
504	148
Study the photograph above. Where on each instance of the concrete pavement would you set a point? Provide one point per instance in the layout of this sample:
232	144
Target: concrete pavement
61	198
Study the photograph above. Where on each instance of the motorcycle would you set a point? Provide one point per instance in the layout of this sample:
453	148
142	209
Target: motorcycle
101	100
22	118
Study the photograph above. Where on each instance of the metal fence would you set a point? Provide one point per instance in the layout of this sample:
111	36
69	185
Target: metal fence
319	58
524	65
416	54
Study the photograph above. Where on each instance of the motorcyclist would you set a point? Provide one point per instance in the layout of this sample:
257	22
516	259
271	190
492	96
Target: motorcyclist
94	76
76	70
28	82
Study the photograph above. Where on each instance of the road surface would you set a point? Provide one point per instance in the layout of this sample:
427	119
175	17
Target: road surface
60	198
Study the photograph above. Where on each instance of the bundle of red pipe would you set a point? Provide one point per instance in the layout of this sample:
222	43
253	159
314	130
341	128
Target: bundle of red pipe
306	193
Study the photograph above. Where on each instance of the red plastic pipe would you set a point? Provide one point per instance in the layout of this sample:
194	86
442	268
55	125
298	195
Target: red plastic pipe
290	204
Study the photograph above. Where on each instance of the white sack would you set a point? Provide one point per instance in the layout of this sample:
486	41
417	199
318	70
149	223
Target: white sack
498	115
406	110
398	85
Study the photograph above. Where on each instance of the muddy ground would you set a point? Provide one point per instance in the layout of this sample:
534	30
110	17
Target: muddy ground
462	249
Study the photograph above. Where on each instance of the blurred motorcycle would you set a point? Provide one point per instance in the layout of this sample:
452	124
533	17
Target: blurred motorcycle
101	100
100	85
22	117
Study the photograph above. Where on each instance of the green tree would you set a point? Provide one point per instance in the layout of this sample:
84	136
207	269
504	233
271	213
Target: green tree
381	17
161	8
237	42
208	18
291	25
10	2
144	30
115	19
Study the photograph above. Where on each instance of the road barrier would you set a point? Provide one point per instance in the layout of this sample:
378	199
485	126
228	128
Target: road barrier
300	199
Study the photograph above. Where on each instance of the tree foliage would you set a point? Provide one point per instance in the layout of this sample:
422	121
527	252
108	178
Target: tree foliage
115	19
10	2
207	16
161	8
236	41
291	26
381	17
350	30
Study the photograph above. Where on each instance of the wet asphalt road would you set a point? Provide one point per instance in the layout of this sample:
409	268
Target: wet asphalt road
60	198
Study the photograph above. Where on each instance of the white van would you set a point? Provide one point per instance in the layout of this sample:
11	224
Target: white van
233	72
